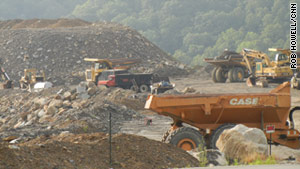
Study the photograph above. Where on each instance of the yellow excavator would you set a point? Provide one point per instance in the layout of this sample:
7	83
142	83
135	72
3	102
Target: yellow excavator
8	83
99	65
265	69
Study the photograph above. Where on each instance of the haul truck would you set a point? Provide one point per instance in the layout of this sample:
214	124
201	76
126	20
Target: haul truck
229	65
100	65
211	114
123	79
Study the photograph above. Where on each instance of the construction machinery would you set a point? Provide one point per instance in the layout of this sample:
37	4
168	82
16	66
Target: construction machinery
99	65
161	84
229	65
8	83
211	114
123	79
30	78
265	69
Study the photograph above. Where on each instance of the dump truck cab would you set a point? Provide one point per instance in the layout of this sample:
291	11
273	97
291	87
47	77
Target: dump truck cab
108	77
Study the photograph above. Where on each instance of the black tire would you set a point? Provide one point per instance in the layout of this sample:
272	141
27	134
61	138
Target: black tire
220	75
230	75
213	75
186	138
144	88
216	134
239	74
134	88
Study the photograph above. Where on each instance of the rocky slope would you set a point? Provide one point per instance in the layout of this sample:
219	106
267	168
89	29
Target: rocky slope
59	47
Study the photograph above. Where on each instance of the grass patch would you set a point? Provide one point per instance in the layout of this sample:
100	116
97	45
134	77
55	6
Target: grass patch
268	161
202	156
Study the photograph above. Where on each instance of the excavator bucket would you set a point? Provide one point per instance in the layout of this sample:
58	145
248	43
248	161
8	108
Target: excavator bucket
251	81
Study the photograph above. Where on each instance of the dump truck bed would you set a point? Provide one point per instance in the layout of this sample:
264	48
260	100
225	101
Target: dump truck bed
211	110
222	62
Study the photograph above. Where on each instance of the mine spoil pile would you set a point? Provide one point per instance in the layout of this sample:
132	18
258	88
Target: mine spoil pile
26	115
59	46
91	151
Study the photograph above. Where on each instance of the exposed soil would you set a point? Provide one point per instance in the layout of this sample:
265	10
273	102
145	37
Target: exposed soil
92	151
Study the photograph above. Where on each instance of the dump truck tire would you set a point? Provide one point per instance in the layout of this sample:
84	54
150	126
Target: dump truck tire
238	74
213	75
220	75
230	75
216	134
134	88
144	88
186	138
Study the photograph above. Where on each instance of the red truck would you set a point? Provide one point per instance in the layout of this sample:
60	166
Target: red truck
123	79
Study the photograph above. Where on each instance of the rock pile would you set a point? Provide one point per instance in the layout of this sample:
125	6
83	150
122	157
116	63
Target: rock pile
59	46
84	109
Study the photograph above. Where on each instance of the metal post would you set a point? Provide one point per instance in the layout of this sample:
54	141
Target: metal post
270	143
262	121
110	154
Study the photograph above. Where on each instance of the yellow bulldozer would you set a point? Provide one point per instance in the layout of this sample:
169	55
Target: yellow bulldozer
30	78
99	65
266	69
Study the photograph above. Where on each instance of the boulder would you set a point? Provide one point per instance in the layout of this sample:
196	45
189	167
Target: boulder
41	113
189	90
216	158
213	157
40	102
67	103
243	143
91	84
92	90
56	103
67	95
102	87
9	138
83	95
51	110
81	88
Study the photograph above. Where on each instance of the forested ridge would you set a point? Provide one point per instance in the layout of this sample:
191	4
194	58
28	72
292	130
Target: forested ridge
189	30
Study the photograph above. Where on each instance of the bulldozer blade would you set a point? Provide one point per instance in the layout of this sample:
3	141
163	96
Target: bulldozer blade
251	81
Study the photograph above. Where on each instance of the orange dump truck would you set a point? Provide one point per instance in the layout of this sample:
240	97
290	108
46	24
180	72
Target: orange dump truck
211	114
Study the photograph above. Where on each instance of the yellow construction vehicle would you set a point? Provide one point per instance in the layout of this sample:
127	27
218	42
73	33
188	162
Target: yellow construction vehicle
229	65
265	69
30	78
99	65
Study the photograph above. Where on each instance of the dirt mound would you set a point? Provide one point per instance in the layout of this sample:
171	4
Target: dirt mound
59	46
92	151
42	23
